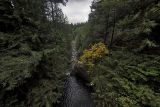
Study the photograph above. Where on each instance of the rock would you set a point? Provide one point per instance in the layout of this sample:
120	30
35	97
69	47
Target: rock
80	72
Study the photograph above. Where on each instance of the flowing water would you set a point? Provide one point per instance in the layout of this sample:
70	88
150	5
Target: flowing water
76	94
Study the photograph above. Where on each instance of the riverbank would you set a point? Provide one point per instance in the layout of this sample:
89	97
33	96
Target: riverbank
76	94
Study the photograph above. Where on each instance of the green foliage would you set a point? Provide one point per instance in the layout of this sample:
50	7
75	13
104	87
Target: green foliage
129	76
34	54
80	33
22	63
129	81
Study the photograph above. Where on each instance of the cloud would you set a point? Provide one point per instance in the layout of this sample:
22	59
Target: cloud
77	10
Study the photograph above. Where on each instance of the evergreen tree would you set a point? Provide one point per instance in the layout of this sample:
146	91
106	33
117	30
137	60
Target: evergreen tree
34	52
129	75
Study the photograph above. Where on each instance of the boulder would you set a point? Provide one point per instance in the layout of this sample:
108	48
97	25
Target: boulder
80	72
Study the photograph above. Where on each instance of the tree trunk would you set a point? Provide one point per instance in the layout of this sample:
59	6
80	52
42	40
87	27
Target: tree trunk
107	26
52	13
114	23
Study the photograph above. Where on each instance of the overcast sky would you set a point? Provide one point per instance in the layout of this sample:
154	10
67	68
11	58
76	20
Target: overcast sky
77	10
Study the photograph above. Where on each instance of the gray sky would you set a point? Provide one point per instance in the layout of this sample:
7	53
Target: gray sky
77	10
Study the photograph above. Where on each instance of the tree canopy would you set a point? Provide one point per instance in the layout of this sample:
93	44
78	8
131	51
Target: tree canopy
129	74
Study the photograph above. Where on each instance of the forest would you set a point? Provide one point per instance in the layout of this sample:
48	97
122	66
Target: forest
117	59
34	52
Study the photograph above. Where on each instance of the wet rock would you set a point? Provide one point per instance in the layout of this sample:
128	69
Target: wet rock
80	72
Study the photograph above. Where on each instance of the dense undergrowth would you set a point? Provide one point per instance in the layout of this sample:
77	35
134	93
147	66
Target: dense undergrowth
125	79
34	54
128	76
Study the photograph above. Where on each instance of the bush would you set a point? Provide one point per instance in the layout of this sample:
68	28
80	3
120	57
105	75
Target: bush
125	79
94	55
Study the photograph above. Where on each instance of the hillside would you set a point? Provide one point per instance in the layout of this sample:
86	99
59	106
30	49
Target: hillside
128	73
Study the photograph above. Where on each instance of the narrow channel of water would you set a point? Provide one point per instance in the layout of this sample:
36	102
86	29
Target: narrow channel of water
75	93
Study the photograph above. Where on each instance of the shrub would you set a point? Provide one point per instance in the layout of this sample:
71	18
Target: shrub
94	55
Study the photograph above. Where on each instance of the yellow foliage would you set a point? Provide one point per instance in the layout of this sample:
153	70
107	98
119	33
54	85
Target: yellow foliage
93	55
91	84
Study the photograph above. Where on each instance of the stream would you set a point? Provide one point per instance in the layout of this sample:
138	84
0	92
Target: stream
75	93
